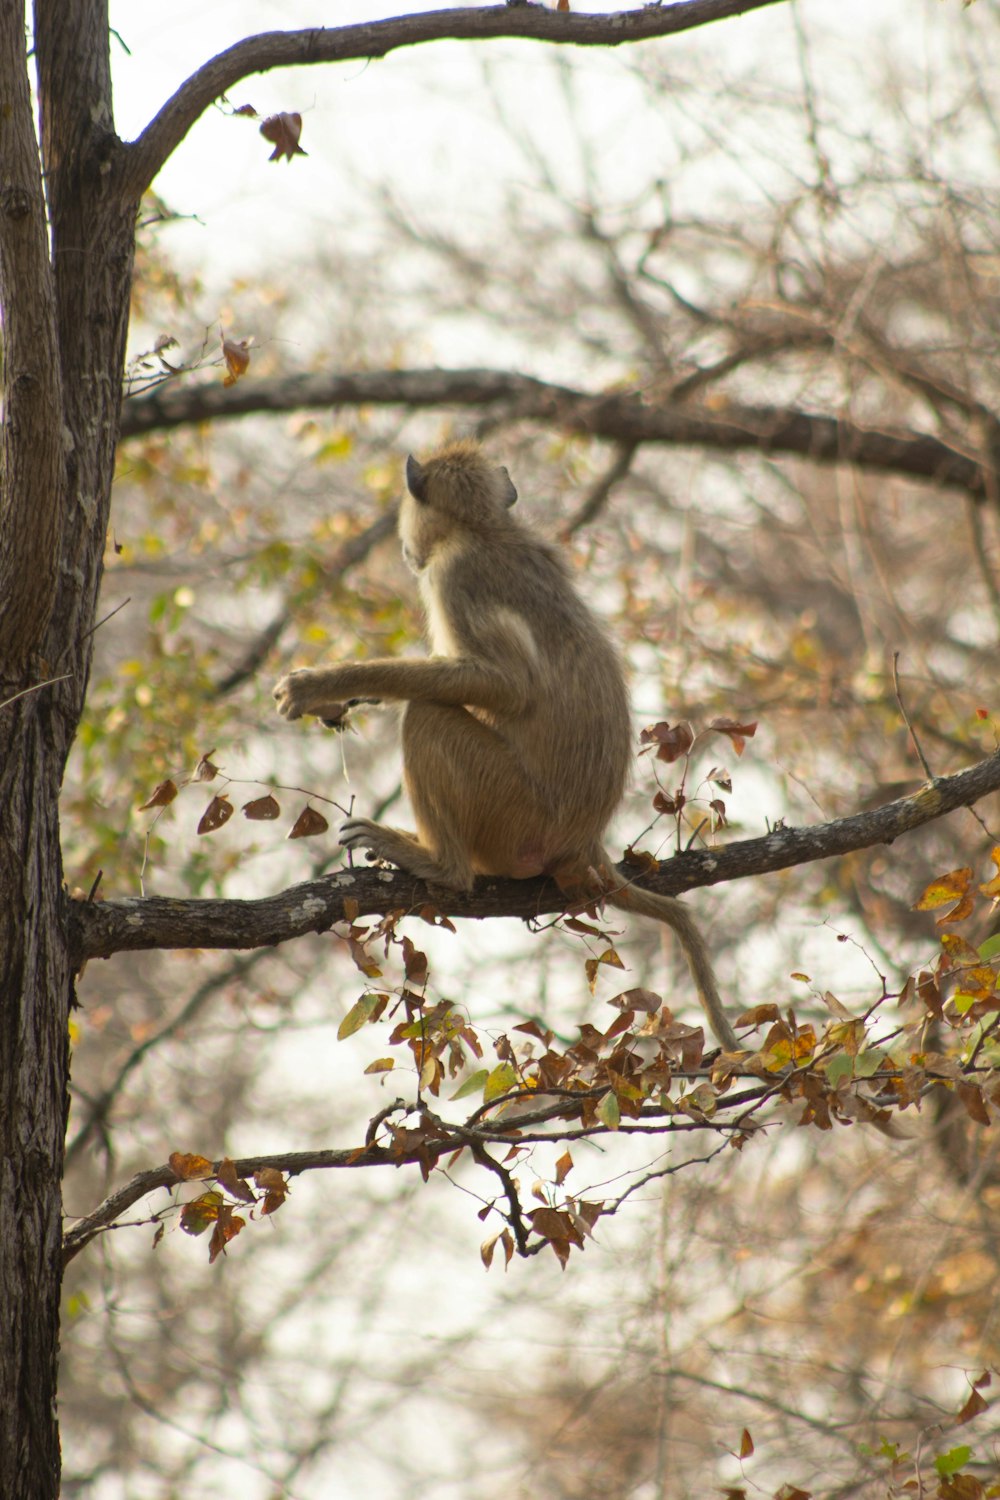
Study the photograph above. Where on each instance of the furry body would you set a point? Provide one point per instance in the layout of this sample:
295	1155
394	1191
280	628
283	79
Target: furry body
516	736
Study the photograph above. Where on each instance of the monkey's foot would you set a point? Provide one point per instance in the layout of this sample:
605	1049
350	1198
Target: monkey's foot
405	850
362	833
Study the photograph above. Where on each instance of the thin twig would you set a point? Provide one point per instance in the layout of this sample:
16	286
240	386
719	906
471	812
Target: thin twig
906	718
35	686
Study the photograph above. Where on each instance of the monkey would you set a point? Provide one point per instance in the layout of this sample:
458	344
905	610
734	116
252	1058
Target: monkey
515	731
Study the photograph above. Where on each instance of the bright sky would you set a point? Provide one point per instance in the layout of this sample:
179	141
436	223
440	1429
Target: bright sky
408	116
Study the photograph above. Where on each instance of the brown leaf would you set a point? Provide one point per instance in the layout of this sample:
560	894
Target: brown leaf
738	733
433	918
276	1189
308	823
757	1014
227	1227
746	1444
563	1168
164	794
609	957
671	742
971	1096
261	809
972	1408
283	131
206	770
217	813
637	999
414	963
186	1165
235	1186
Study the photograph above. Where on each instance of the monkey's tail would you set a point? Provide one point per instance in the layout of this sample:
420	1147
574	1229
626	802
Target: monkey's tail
676	916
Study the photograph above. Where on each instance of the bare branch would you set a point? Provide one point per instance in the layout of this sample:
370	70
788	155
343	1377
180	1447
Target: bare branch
100	929
627	419
285	49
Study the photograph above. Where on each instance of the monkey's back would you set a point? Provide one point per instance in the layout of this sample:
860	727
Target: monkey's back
511	602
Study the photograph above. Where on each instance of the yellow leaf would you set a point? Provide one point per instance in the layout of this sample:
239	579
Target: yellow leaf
954	886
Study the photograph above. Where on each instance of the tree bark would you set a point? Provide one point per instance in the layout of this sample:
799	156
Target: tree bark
65	296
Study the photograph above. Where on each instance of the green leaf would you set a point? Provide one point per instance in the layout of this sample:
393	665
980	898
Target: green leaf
356	1017
473	1084
868	1062
608	1112
991	948
949	1463
839	1067
502	1078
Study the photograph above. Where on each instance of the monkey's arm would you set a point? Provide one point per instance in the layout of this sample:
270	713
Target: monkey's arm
457	682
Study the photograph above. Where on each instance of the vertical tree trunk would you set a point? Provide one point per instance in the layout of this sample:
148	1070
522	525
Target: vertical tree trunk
64	292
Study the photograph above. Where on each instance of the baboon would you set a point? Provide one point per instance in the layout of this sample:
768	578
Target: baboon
516	737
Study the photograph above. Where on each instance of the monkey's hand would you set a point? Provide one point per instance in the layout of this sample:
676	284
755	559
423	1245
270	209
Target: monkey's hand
315	690
306	692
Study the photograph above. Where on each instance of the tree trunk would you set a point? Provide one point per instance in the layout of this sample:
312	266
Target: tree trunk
64	288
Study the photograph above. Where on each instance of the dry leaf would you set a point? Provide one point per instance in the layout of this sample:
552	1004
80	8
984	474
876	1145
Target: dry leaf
671	742
164	794
186	1165
308	823
218	812
236	353
283	132
261	808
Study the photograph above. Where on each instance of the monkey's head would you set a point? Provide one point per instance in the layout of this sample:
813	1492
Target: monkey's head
456	491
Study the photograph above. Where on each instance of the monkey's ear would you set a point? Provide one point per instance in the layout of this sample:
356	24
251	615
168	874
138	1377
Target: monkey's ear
509	493
416	479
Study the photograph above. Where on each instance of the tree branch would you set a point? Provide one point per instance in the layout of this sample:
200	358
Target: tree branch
101	929
625	419
424	1144
285	49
